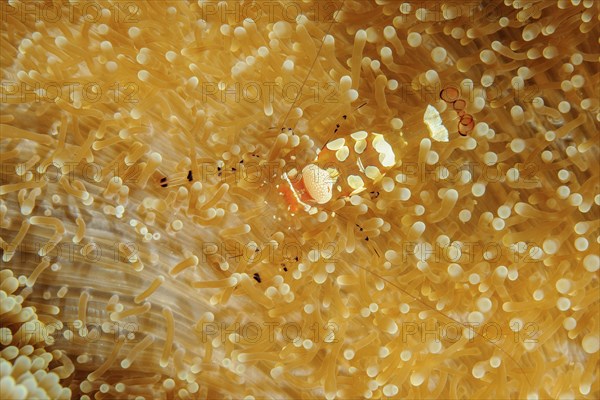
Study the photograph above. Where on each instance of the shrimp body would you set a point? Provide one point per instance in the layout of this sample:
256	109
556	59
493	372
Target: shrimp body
344	167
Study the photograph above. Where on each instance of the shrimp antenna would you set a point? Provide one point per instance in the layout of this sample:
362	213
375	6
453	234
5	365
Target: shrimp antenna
311	66
337	126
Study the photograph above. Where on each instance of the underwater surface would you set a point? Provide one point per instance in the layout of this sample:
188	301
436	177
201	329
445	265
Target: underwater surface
299	199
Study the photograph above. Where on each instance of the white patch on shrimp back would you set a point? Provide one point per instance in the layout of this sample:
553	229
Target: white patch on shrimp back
433	120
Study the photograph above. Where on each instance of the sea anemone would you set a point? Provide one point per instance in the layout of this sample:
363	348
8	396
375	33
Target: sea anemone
152	246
